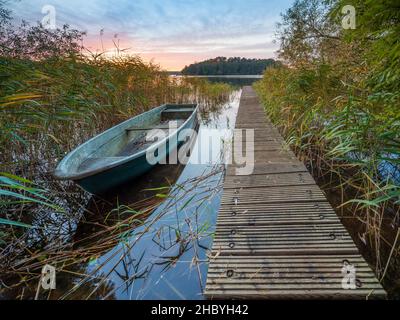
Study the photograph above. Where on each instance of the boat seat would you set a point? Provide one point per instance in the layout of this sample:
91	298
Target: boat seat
176	114
179	110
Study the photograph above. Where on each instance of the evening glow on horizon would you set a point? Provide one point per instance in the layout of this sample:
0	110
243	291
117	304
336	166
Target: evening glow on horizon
172	33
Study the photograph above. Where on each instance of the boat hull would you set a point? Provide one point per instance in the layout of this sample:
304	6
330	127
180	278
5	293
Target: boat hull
105	180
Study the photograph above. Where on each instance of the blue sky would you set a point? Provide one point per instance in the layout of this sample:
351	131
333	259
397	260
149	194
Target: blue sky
172	32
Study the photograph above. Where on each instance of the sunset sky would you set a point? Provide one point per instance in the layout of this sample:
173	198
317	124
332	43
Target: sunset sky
174	33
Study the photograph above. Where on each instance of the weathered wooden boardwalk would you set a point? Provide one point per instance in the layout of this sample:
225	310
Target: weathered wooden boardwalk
277	236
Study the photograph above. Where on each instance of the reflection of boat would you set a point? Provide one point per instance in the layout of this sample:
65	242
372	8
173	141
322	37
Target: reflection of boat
119	154
139	196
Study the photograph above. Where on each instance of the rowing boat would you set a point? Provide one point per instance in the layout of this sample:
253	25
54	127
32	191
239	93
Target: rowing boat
119	154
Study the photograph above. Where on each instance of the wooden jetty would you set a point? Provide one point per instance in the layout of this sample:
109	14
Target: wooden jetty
277	237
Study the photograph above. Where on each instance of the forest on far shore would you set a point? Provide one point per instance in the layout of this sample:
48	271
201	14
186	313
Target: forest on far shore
229	66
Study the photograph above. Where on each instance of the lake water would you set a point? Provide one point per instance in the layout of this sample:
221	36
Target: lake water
166	257
239	81
159	253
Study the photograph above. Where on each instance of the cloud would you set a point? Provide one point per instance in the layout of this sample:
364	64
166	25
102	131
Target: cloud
160	29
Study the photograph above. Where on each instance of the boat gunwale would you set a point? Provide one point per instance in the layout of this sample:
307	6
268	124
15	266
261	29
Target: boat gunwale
61	175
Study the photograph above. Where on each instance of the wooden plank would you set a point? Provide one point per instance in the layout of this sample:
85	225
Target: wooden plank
271	168
335	231
272	146
289	277
269	180
282	230
285	195
277	237
294	293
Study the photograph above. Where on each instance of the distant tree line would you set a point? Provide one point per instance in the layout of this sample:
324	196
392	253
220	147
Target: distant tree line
229	66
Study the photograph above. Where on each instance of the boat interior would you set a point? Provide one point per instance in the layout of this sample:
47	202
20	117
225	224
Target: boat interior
137	136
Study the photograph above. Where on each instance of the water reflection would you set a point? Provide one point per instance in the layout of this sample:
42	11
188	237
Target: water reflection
166	257
235	80
149	239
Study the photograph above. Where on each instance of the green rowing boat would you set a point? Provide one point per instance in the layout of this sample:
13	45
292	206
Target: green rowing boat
120	153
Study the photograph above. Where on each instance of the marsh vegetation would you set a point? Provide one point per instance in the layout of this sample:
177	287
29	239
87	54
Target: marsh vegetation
336	100
54	95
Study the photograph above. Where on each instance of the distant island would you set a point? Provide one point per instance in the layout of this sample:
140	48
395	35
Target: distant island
229	66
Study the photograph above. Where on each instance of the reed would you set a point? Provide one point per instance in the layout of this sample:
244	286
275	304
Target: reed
336	104
54	95
116	234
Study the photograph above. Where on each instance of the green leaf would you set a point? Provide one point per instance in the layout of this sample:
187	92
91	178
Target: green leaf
14	223
187	203
158	189
14	177
26	199
161	195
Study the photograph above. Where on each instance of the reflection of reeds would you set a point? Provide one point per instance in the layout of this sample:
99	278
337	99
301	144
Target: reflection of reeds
71	255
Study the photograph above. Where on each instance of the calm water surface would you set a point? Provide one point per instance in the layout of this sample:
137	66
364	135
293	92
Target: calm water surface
239	81
166	257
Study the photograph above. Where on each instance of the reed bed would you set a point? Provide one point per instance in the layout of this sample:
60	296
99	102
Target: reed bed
117	234
54	95
336	101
